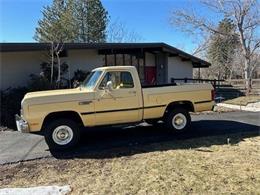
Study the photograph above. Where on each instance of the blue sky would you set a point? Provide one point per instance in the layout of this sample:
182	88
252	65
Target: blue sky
149	18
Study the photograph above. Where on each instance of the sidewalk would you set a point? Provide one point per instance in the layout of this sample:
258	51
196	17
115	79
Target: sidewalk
252	107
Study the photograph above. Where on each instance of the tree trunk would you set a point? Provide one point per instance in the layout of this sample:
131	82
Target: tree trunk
58	79
52	61
246	53
248	78
230	74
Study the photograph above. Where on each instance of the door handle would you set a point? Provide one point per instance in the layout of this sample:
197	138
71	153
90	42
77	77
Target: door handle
132	92
85	102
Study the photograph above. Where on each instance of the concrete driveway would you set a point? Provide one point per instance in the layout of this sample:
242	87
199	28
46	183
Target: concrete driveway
15	146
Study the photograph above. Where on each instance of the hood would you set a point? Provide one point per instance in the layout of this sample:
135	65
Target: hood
50	93
56	96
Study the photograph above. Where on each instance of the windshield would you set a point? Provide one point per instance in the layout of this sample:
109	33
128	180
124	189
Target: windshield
91	79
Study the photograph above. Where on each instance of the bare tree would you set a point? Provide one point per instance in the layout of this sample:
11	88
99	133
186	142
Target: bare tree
244	13
118	33
57	49
54	59
201	48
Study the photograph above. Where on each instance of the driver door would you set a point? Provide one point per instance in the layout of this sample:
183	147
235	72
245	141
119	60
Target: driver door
120	103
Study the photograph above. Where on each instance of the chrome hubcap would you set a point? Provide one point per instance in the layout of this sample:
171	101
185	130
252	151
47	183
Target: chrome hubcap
62	135
179	121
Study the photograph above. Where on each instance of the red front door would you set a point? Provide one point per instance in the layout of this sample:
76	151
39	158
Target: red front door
150	75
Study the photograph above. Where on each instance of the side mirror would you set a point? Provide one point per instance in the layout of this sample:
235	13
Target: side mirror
109	86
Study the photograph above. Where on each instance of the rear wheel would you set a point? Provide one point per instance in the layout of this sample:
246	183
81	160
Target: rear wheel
178	120
62	134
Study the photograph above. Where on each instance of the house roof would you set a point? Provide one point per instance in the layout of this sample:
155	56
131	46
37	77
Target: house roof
109	47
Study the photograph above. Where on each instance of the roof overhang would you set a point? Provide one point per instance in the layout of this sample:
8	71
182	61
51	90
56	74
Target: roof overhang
110	48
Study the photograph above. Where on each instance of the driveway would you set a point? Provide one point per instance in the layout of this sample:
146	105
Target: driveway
15	147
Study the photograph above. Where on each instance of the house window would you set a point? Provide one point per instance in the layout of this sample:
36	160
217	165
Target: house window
135	62
127	60
141	69
110	60
63	53
119	59
139	64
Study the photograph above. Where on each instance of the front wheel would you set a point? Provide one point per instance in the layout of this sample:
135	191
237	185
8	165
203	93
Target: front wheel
178	120
62	134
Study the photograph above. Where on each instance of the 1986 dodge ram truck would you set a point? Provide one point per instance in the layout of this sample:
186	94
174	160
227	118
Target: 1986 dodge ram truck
109	96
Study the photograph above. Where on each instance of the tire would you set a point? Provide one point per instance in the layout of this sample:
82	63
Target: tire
178	120
62	134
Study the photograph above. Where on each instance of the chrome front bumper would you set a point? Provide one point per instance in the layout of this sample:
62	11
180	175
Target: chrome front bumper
21	124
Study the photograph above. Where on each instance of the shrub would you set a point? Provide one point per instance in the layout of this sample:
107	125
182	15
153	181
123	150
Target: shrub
10	104
79	76
38	83
10	100
46	70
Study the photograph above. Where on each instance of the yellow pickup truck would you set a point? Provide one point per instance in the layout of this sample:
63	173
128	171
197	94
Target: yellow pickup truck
109	96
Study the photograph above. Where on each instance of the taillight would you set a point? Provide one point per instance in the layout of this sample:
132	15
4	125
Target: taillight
212	95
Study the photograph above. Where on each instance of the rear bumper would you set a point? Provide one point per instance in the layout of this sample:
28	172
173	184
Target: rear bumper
204	106
21	124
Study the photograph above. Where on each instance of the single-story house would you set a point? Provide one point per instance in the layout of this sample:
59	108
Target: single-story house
156	63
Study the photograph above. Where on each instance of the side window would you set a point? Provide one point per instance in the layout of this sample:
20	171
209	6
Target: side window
120	80
127	80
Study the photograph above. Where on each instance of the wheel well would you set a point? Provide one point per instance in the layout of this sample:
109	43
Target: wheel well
72	115
180	104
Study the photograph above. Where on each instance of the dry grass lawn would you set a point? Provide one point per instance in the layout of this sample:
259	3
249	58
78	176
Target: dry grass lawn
244	100
183	168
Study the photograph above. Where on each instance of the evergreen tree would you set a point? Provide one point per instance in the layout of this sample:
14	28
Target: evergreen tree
222	48
81	20
97	19
73	21
69	21
57	24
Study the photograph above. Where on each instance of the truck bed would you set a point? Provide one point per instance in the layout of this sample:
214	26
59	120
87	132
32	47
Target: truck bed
159	85
158	97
